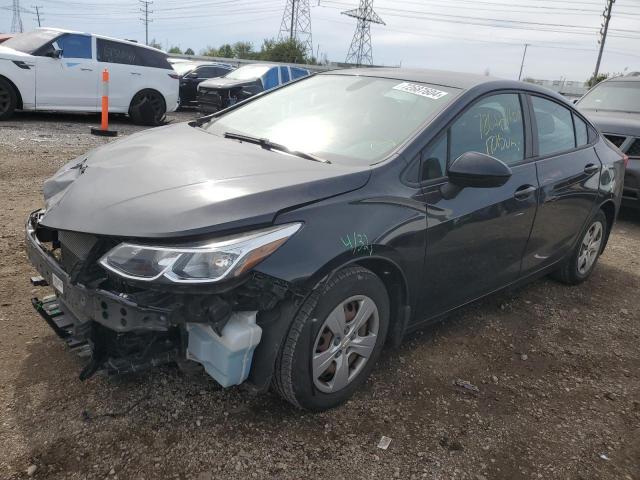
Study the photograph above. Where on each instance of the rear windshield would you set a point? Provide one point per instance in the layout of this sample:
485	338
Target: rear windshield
342	118
31	41
615	96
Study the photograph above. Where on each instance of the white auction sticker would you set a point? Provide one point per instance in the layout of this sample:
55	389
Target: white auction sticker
421	90
57	283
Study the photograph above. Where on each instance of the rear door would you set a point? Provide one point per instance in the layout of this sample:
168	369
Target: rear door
70	82
124	75
569	175
476	236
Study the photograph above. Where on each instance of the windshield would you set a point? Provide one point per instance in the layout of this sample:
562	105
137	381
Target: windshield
31	41
248	72
617	96
342	118
183	67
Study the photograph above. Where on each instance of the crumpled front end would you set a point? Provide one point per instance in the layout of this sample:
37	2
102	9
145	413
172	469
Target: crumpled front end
126	326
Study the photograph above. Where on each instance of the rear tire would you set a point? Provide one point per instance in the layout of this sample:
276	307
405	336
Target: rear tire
8	100
148	108
579	266
334	341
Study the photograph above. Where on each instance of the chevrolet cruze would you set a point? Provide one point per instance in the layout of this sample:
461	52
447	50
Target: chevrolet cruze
282	242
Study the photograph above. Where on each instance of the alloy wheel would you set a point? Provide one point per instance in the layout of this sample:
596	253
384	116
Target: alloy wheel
590	248
344	343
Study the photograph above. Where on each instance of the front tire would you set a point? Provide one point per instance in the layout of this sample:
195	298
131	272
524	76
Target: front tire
579	266
334	341
148	108
8	100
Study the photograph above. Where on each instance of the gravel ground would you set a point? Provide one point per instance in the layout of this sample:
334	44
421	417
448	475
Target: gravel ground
557	368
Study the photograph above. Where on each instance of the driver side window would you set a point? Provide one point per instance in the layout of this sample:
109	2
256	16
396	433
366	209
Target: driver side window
75	46
492	126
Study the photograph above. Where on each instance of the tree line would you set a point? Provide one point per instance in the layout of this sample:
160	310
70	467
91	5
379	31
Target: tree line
271	50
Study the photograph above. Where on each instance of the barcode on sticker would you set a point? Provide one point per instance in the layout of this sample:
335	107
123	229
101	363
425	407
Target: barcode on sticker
57	283
421	90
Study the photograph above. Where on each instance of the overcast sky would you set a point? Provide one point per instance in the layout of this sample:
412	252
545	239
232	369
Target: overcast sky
462	35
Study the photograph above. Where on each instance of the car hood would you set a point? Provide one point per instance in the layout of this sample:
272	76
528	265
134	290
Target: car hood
621	123
11	54
180	181
222	82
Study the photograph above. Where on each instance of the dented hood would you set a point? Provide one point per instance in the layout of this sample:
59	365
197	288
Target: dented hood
180	180
222	83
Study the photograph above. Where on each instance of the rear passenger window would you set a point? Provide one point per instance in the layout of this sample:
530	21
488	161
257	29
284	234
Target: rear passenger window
145	57
555	126
75	46
284	74
116	52
492	126
298	73
582	132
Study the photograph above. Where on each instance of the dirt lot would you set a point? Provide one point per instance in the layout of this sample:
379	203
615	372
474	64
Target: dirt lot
558	372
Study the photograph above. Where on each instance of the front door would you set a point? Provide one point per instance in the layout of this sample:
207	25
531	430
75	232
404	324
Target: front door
68	83
476	236
569	174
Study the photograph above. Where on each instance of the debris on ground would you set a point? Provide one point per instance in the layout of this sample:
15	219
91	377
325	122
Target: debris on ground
384	443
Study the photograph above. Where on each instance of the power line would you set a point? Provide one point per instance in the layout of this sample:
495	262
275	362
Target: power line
146	19
296	24
524	54
361	51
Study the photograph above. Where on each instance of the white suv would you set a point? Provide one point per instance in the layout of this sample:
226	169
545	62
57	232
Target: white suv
59	70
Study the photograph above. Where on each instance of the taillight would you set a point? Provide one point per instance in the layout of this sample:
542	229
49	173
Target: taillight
175	76
626	160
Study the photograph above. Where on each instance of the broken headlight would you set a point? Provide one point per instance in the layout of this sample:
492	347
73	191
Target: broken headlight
199	262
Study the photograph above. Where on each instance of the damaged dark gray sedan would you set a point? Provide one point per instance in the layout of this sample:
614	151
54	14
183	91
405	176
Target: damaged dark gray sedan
284	241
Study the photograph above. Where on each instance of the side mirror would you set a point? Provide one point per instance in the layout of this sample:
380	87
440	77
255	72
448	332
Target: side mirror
477	170
55	53
575	100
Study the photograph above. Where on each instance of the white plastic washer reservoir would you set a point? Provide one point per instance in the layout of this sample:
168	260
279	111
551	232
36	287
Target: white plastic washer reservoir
226	358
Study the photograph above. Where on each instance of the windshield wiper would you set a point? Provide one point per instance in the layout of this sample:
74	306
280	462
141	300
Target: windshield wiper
269	145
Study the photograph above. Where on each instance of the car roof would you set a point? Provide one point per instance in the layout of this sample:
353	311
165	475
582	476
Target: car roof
463	81
626	78
141	45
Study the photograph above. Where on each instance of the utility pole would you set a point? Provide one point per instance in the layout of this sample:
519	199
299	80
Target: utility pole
524	54
145	4
296	24
606	15
360	51
38	7
16	22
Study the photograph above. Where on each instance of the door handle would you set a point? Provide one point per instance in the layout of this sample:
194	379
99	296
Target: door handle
86	69
524	192
590	169
136	73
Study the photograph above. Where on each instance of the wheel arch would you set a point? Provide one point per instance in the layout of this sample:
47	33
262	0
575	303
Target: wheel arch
151	89
19	104
394	280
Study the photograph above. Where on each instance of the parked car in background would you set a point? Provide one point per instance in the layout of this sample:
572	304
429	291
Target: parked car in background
614	107
193	74
59	70
283	241
248	80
